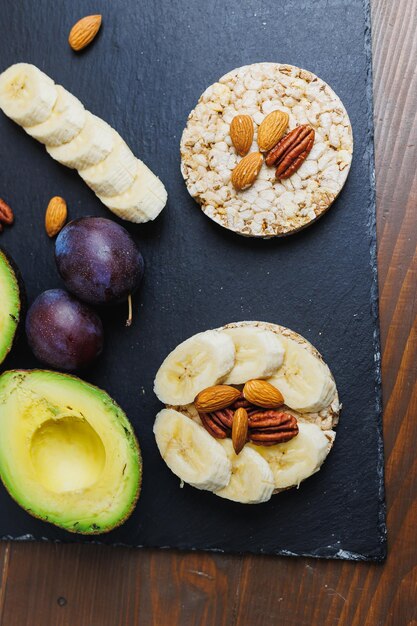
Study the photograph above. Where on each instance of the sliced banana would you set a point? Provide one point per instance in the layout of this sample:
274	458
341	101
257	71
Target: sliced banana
27	95
305	382
90	146
115	174
251	481
82	141
143	201
297	459
197	363
190	452
65	122
259	353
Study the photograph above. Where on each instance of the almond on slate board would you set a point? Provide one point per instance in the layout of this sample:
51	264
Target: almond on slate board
56	215
6	215
84	31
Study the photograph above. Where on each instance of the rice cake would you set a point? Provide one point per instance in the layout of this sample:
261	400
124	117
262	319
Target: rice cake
269	207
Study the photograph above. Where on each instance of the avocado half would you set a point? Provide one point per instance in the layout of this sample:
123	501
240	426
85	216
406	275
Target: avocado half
9	305
68	453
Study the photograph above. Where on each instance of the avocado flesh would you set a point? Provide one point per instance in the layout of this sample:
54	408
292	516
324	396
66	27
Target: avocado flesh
68	453
9	305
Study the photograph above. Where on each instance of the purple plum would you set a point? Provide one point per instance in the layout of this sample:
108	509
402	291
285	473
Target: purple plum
98	260
63	332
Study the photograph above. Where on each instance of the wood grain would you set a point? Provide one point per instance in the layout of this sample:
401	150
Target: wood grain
72	585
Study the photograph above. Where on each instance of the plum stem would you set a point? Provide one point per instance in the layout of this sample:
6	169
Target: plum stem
130	314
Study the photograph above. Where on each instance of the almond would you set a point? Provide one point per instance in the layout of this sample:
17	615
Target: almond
215	398
262	393
271	130
241	133
240	429
56	215
246	172
6	215
84	31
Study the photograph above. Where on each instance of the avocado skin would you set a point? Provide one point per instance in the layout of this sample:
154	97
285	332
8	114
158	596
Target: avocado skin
93	529
6	258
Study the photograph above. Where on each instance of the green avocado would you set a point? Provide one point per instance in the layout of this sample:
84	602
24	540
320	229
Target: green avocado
9	305
68	453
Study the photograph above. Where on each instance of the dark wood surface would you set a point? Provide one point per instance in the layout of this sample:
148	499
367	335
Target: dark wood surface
75	585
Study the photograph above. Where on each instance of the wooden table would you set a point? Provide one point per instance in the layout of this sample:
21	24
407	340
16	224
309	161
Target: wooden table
74	585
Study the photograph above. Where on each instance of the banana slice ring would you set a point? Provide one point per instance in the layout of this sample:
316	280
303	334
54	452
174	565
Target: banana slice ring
258	350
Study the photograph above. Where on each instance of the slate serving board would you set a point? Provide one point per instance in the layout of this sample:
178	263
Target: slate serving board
143	74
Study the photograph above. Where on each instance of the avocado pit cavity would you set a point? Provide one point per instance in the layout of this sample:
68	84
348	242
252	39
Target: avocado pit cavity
67	454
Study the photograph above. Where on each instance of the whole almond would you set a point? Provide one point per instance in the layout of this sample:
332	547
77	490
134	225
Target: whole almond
247	170
240	429
261	393
55	216
241	133
215	398
272	129
6	214
84	31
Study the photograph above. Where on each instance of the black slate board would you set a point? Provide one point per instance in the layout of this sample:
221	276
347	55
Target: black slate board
143	74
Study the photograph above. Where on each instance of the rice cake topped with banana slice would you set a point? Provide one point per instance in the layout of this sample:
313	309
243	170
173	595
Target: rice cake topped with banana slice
269	207
275	380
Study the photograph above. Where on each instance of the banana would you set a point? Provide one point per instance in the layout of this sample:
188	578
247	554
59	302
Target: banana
143	201
251	481
297	459
305	382
115	174
190	452
90	146
65	122
259	353
27	95
82	141
199	362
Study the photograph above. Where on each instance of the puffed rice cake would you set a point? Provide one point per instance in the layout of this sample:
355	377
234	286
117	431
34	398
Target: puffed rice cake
269	208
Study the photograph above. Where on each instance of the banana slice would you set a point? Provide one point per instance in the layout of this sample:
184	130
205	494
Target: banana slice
82	141
115	174
305	382
190	452
197	363
90	146
27	95
251	481
297	459
65	122
259	353
143	201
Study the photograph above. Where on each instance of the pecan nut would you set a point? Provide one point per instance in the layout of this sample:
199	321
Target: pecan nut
291	151
218	423
242	403
268	428
6	215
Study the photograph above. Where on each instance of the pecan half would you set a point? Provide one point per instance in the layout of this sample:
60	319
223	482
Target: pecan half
242	403
291	151
6	215
218	423
217	431
268	428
